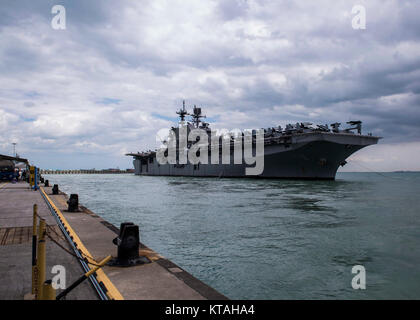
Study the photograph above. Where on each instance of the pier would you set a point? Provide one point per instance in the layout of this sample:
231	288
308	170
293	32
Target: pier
78	241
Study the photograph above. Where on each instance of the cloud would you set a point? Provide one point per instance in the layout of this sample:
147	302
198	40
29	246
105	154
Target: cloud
117	74
385	157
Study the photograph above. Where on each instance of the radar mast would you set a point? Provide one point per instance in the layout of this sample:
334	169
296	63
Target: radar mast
196	116
182	112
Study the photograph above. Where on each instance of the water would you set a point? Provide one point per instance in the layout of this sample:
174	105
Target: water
267	239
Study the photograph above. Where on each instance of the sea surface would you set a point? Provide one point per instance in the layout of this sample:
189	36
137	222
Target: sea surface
268	239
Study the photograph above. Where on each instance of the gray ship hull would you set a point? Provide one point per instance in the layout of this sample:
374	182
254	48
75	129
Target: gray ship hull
314	155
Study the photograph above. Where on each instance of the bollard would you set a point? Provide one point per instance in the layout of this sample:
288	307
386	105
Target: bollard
128	243
73	203
47	183
34	269
40	261
55	189
48	292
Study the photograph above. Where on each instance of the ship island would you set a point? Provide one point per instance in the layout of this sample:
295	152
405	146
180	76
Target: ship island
298	151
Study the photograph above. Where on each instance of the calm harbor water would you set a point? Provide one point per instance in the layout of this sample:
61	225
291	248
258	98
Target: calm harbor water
267	239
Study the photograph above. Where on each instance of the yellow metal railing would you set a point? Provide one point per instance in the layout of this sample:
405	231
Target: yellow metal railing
41	289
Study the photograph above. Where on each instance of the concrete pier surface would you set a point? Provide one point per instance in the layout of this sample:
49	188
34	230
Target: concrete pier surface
16	210
159	279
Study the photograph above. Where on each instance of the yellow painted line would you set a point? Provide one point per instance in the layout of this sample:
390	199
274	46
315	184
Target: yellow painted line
150	254
112	292
3	184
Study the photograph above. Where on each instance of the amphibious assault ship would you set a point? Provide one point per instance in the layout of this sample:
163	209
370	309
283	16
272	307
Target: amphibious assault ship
298	151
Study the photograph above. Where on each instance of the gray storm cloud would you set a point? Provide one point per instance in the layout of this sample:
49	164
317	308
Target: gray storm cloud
109	82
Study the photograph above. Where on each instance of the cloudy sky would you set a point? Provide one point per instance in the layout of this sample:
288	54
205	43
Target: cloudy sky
84	96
